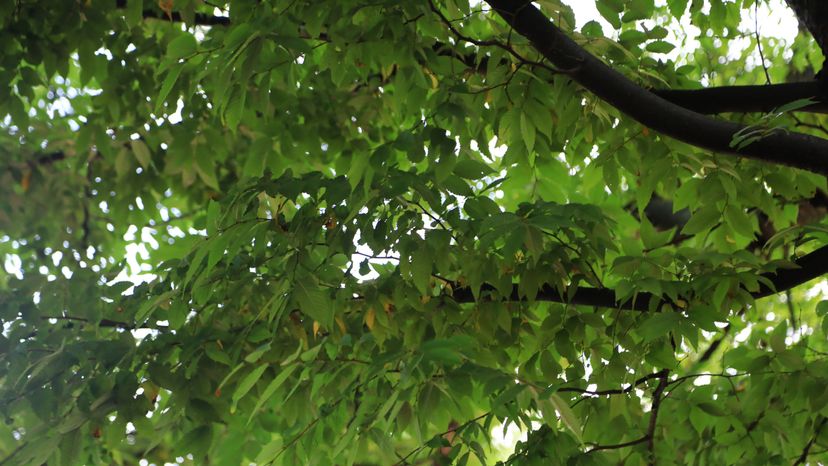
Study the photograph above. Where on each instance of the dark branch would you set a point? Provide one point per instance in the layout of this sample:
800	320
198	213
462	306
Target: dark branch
712	100
810	266
618	391
760	98
618	445
813	14
807	450
658	396
777	146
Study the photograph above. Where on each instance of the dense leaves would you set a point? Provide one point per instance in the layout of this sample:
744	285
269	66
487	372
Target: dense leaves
293	232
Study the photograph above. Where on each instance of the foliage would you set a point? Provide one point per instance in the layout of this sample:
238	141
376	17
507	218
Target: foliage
382	232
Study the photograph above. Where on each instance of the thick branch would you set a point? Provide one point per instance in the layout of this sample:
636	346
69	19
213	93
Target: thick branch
814	15
811	266
762	98
792	149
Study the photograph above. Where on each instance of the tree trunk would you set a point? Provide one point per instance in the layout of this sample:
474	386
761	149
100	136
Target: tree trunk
813	14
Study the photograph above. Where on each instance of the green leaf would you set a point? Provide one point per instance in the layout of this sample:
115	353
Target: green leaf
448	351
358	166
256	354
421	266
660	46
610	12
142	152
777	338
271	388
315	302
698	419
712	409
703	219
247	383
216	354
738	219
166	86
567	416
658	325
527	131
270	452
182	46
471	169
677	7
134	12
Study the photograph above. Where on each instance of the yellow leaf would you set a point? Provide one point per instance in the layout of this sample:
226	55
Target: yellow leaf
369	318
166	6
315	328
26	180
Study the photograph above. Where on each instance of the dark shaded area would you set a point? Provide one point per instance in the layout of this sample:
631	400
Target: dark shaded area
743	99
810	266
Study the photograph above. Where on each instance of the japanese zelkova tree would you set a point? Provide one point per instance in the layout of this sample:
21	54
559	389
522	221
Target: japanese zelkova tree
433	232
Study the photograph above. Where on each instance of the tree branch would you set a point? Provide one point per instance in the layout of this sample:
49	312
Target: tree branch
810	266
657	397
617	391
781	147
759	98
712	100
806	451
618	445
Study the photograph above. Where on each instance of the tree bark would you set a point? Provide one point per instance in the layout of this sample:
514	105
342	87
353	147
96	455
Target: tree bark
813	14
775	146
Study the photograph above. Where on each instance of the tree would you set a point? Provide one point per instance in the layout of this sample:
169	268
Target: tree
381	232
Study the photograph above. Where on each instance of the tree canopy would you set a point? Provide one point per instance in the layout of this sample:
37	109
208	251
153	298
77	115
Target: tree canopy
348	232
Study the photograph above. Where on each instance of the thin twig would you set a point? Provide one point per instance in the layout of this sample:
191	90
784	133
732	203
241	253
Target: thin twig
759	41
618	445
657	397
806	451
